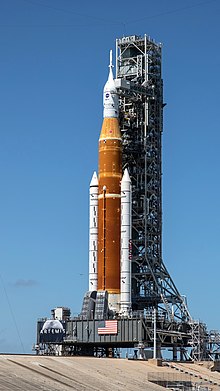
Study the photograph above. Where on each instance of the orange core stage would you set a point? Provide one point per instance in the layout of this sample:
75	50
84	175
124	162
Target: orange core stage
109	206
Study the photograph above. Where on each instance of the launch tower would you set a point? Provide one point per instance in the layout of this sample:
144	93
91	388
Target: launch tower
140	87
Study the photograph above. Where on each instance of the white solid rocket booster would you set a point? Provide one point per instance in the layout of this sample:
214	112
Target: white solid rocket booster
126	229
93	233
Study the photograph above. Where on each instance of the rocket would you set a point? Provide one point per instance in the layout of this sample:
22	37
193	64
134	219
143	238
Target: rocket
109	198
110	211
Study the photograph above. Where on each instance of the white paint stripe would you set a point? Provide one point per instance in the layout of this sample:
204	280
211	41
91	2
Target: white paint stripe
110	196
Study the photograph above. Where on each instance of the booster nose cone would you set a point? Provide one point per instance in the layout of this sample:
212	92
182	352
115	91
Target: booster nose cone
94	180
126	177
110	97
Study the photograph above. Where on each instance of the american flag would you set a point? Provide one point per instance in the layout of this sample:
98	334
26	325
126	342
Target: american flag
108	327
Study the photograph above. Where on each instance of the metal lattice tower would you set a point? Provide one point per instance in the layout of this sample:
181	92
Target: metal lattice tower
140	87
199	341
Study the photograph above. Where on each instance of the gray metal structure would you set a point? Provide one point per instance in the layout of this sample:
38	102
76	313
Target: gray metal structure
140	87
82	337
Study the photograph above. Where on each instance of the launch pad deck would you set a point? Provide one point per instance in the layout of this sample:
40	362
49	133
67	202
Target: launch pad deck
87	373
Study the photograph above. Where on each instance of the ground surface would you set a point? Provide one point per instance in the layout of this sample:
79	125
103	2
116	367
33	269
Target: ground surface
28	373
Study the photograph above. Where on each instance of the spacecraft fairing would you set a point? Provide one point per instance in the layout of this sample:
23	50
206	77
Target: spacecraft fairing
110	96
107	270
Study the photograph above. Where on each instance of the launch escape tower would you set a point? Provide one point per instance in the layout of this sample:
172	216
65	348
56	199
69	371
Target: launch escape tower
140	87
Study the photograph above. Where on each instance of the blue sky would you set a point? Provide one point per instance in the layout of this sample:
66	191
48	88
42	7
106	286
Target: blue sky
53	65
